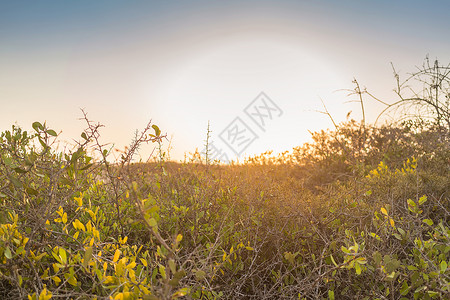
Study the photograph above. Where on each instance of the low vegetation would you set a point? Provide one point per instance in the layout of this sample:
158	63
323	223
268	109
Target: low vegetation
361	212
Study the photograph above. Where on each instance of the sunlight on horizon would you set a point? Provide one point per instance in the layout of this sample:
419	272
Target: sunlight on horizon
218	82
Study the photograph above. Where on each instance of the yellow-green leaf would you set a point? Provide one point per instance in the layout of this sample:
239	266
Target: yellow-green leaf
72	280
157	130
64	218
144	262
391	221
357	268
152	222
332	259
172	266
109	279
119	296
331	295
78	225
79	201
63	255
372	234
428	222
162	271
423	199
45	295
116	255
181	293
179	238
443	266
56	279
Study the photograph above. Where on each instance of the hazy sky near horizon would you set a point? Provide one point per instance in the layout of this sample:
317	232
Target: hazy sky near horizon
184	63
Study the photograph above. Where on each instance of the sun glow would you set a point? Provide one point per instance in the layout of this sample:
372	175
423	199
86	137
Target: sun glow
219	81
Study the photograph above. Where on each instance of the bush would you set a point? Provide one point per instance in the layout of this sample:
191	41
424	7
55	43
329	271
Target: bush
352	215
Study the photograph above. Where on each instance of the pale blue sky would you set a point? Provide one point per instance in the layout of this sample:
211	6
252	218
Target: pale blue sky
182	63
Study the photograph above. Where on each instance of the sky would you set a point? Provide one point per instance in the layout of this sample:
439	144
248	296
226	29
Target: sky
256	71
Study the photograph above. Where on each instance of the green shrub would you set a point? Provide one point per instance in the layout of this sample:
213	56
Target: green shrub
350	216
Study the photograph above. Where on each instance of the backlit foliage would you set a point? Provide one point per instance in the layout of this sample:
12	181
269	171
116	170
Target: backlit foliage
361	212
352	215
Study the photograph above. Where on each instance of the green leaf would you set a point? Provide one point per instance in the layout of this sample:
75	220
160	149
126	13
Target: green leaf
19	250
86	167
432	294
84	136
31	191
43	144
288	256
357	268
77	155
66	181
404	289
412	206
52	132
19	170
15	182
87	256
37	126
172	266
152	222
334	262
179	274
174	282
8	161
331	295
8	253
200	275
162	271
377	257
443	266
